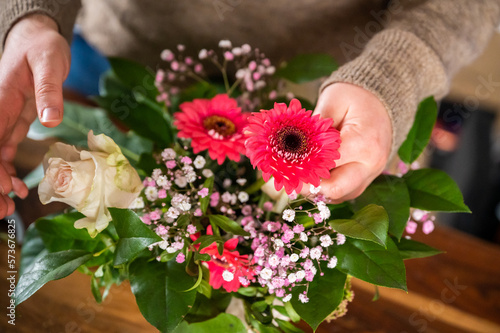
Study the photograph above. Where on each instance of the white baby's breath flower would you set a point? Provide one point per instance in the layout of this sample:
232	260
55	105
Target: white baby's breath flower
203	54
180	181
288	215
199	162
294	257
227	276
287	298
266	273
224	43
300	275
241	181
243	197
168	154
207	173
326	240
173	213
315	253
303	237
292	277
340	239
137	204
151	193
332	263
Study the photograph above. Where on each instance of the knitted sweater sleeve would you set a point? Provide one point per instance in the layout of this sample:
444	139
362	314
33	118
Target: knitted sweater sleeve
62	11
421	48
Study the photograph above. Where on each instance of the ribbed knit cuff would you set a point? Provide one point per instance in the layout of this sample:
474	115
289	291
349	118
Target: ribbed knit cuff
63	12
401	70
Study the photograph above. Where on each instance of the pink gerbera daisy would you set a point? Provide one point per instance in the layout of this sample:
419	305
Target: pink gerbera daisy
215	124
292	146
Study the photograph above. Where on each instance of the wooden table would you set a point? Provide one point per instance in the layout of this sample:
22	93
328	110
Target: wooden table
454	292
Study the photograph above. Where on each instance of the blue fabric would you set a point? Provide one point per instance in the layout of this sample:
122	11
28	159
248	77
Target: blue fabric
87	65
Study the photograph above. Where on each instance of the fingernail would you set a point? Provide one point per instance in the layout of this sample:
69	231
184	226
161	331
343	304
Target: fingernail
1	190
50	115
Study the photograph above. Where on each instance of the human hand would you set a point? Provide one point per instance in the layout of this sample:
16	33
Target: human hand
366	133
34	64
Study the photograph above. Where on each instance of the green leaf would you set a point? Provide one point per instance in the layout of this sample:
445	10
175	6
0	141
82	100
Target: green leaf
59	234
307	67
434	190
288	327
410	249
142	119
135	76
227	225
224	322
370	223
135	236
158	289
32	249
207	240
52	266
372	263
291	313
147	163
205	289
391	193
420	133
325	294
209	183
94	287
79	119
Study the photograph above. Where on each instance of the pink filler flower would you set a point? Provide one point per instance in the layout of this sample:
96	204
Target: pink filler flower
215	124
292	146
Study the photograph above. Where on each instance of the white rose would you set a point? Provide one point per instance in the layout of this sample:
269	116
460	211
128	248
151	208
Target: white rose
90	181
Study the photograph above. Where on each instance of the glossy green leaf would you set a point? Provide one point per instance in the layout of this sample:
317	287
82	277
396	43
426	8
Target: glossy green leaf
209	184
135	236
33	248
227	225
52	266
59	234
325	294
308	67
79	119
224	322
420	133
434	190
288	327
207	240
372	263
410	249
158	289
391	193
135	76
369	223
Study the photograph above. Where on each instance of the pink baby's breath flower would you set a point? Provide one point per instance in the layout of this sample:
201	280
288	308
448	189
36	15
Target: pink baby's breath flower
162	194
191	229
180	258
411	227
428	227
292	146
203	192
198	212
171	164
215	125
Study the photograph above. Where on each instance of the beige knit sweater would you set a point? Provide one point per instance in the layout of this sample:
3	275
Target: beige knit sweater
410	48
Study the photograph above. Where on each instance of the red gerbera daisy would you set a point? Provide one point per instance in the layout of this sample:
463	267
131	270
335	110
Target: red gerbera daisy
292	146
215	124
229	270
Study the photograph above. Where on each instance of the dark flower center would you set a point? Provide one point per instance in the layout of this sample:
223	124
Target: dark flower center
220	125
291	140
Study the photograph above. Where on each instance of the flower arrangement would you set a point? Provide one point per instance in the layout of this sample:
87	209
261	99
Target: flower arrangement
199	203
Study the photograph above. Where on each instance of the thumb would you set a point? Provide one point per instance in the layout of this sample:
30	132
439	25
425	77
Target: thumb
49	73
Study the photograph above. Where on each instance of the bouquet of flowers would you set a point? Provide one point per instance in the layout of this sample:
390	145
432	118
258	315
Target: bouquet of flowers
197	202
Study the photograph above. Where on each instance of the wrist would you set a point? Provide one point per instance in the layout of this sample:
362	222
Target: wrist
30	26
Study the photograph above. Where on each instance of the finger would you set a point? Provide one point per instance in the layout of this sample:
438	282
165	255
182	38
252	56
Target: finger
344	181
5	181
19	187
3	207
11	207
48	76
8	151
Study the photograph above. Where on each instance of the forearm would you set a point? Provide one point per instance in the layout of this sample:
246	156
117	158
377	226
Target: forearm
63	12
418	52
